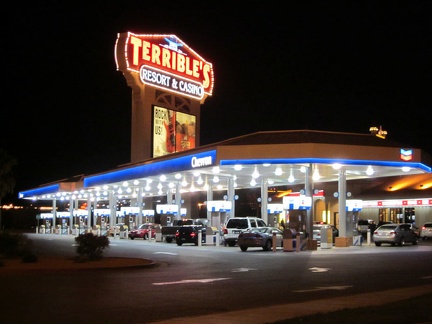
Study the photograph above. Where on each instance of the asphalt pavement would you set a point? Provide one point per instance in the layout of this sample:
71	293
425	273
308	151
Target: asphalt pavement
282	312
288	311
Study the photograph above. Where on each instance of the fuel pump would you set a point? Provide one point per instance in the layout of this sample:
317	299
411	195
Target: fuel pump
131	221
218	210
295	207
274	211
103	229
130	215
167	213
353	208
81	227
64	228
48	226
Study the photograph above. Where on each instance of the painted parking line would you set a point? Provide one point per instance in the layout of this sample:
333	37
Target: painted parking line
242	269
316	269
324	288
188	281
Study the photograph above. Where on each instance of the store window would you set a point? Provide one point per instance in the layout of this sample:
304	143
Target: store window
397	215
409	215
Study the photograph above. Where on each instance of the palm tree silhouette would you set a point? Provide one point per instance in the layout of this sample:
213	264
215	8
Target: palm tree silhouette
7	178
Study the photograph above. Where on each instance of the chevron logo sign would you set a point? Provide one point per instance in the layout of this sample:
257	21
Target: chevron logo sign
406	155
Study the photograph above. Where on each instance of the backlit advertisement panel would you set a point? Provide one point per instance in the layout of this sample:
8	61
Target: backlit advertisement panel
172	131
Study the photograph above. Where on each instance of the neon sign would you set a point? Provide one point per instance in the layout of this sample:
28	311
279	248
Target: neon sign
199	162
166	62
167	81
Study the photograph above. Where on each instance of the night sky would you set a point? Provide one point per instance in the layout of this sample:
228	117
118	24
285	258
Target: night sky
321	65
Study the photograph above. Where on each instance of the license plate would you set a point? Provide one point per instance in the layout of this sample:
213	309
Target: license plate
236	232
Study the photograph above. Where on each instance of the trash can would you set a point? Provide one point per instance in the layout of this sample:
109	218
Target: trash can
158	236
326	237
357	240
288	240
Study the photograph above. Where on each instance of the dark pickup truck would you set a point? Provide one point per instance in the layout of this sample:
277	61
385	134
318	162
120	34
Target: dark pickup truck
168	232
190	234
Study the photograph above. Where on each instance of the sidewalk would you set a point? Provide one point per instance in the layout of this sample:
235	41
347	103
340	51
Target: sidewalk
276	313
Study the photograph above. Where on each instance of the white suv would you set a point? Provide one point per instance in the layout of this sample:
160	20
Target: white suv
234	226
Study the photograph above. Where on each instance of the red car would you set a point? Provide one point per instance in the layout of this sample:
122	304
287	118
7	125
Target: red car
143	232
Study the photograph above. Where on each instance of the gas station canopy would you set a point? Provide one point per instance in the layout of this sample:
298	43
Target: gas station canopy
278	157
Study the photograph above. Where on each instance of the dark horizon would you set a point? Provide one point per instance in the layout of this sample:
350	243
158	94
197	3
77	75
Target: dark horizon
318	66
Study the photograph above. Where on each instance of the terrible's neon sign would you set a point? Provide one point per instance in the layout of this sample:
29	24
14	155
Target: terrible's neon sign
171	82
165	61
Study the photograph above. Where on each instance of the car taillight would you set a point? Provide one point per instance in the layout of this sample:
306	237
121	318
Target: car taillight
177	234
193	234
225	231
392	233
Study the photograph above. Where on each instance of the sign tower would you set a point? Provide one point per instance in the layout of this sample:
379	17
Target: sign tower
169	82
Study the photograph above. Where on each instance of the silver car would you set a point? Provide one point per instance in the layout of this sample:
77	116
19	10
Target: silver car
426	231
395	234
260	237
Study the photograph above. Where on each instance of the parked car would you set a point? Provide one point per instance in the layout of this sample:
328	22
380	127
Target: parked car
393	234
169	231
426	231
234	226
143	232
363	226
260	237
316	229
415	229
381	223
190	234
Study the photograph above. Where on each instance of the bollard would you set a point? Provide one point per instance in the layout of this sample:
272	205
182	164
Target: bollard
199	237
217	235
274	242
368	237
298	242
